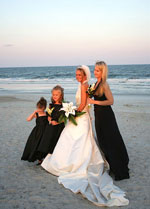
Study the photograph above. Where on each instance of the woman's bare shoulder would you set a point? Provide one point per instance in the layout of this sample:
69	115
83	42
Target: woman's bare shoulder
106	85
85	84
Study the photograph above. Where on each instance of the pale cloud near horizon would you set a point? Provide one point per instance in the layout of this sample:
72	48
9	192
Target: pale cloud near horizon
8	45
74	32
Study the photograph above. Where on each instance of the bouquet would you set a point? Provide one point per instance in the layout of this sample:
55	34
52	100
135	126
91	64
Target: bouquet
69	112
49	110
91	90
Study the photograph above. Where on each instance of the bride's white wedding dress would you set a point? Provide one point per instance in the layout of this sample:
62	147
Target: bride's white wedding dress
79	164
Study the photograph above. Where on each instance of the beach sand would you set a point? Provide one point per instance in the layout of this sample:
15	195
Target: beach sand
25	185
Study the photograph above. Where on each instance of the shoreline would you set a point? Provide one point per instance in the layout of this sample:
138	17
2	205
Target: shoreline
141	102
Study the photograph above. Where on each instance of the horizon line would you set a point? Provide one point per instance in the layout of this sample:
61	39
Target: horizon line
64	65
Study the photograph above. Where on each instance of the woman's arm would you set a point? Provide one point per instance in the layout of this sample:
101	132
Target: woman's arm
33	115
109	97
83	97
49	118
53	122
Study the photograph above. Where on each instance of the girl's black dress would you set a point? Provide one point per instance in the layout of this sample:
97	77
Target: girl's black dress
51	133
30	151
110	140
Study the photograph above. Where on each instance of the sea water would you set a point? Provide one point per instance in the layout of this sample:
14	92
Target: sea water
123	79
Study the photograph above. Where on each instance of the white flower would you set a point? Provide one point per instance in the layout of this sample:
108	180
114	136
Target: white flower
68	108
93	86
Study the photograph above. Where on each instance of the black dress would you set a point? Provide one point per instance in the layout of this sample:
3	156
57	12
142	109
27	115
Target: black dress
110	140
30	151
51	133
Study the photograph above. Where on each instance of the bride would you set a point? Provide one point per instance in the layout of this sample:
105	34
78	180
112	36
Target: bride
76	159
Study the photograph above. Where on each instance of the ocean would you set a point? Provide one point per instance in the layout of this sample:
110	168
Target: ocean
123	79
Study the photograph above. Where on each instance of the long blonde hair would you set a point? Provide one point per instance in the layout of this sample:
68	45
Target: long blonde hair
103	67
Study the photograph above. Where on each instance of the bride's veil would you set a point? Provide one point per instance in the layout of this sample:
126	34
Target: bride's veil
87	72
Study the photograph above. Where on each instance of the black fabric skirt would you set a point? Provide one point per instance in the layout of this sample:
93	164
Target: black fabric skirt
49	139
111	142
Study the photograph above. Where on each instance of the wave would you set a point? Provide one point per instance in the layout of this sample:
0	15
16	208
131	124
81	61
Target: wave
126	80
35	80
116	80
63	72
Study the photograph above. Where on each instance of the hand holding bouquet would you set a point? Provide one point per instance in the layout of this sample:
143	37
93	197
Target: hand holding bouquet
69	112
49	110
90	91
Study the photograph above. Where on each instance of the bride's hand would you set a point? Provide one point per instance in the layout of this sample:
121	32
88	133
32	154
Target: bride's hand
78	110
90	101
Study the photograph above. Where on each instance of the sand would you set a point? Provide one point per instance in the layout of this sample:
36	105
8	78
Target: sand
25	185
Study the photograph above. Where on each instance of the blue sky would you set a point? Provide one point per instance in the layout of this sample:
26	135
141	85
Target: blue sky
72	32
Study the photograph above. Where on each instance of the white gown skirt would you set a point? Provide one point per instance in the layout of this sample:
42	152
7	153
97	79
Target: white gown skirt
79	165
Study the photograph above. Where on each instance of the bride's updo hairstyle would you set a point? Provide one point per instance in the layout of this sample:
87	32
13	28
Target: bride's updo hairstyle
86	71
102	66
81	70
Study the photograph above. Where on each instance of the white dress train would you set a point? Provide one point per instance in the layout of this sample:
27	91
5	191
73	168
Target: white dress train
79	165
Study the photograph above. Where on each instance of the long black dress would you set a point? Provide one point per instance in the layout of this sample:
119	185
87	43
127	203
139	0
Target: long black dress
30	151
110	139
51	133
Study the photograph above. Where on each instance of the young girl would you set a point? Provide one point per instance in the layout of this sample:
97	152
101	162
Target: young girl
108	134
30	151
53	129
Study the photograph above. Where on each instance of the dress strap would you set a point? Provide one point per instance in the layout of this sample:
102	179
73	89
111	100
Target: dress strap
37	115
97	85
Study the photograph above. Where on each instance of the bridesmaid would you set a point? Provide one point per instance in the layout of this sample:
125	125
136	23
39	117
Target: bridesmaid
108	135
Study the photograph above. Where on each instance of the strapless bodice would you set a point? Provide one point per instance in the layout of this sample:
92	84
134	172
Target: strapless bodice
78	99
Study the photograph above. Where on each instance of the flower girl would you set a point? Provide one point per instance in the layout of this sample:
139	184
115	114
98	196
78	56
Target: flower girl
30	151
54	128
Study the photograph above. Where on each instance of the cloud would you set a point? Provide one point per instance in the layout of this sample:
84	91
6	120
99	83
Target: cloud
8	45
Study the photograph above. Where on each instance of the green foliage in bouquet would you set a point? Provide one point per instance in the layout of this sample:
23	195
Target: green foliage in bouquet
69	112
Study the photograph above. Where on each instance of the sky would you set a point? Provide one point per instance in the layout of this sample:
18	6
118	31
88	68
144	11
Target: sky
74	32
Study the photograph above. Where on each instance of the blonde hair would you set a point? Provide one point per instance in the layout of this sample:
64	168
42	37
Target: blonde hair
58	88
102	66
